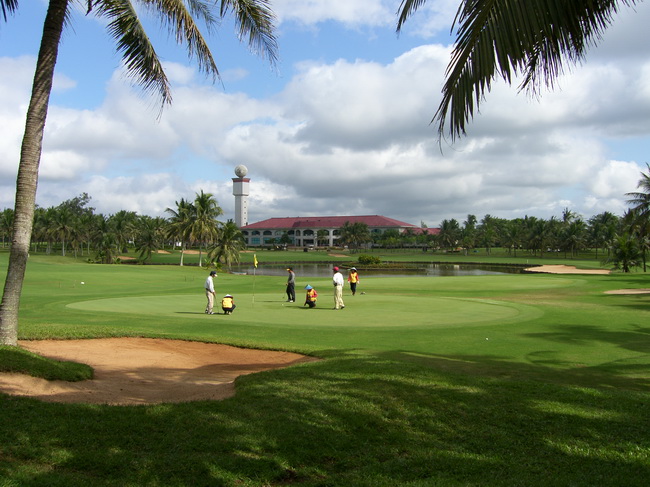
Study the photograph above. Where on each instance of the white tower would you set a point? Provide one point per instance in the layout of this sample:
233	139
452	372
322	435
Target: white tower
240	190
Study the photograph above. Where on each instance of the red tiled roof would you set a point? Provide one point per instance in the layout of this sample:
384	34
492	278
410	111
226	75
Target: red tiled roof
373	221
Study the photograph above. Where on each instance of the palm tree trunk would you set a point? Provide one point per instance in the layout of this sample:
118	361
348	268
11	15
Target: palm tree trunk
27	180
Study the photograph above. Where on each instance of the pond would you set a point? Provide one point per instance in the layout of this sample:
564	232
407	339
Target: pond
423	269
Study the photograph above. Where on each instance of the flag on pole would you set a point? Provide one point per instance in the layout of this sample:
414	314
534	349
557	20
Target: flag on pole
255	260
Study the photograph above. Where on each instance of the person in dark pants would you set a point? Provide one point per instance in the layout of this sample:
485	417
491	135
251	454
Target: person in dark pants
228	304
291	286
310	298
353	279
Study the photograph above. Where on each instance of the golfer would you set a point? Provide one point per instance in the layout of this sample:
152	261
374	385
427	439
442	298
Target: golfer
337	280
209	292
291	286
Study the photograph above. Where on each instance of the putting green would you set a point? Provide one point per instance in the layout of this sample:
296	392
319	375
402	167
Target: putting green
406	311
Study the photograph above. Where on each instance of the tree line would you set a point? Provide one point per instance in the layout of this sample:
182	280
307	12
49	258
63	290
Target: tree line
74	227
625	240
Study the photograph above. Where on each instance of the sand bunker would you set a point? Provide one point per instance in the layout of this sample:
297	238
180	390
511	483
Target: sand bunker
565	269
145	370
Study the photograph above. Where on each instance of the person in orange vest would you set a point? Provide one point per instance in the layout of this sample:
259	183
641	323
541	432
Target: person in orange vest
310	299
228	304
353	279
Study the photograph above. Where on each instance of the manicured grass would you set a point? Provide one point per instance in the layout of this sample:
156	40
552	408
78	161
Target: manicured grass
15	359
485	380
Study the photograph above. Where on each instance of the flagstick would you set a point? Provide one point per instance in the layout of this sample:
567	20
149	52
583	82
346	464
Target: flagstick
254	276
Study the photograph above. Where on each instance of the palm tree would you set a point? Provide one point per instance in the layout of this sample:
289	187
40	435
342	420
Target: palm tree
203	228
640	213
148	240
63	225
322	236
106	245
254	20
625	253
123	224
6	224
505	38
354	234
602	229
449	234
229	242
180	223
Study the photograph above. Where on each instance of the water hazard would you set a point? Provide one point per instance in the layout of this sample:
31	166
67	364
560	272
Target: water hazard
409	270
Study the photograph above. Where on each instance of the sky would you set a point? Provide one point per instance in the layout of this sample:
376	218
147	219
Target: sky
340	126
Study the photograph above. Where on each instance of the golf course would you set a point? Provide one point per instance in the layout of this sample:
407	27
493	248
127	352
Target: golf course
528	379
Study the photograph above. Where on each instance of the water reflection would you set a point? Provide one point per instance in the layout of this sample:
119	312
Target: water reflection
434	270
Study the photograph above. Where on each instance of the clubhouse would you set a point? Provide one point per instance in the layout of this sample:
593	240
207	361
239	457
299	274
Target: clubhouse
324	230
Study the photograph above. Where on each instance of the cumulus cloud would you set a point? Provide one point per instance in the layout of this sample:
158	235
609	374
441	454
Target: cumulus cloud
347	136
368	12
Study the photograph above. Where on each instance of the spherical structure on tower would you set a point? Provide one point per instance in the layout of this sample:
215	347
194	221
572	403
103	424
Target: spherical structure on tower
241	171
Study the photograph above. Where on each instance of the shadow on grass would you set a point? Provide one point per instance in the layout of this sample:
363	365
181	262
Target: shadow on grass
384	420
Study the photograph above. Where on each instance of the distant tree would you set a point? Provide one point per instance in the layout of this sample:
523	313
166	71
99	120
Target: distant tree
574	236
450	233
639	218
354	234
123	225
322	236
180	224
63	225
149	237
285	239
602	229
513	235
227	246
106	246
204	225
6	225
625	253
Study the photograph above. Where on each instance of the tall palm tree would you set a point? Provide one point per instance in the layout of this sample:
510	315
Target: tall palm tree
180	223
123	224
63	225
506	38
602	229
203	228
106	245
148	239
181	17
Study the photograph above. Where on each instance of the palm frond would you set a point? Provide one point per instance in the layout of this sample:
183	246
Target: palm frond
405	10
8	7
178	17
140	58
256	22
507	38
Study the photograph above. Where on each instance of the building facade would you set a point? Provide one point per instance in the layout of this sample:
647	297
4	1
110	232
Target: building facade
316	231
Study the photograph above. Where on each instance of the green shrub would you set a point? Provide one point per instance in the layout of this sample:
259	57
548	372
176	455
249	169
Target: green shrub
368	259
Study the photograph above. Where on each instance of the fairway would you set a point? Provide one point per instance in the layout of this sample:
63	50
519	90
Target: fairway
501	380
